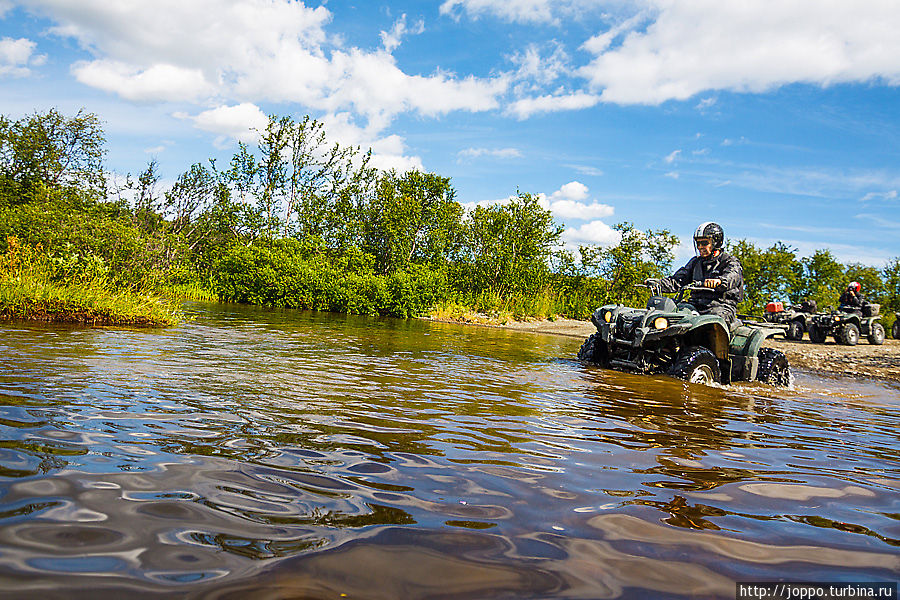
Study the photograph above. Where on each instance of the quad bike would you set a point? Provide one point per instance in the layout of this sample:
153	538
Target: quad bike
670	337
796	317
847	326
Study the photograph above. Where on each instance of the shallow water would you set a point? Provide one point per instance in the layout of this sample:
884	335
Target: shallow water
263	453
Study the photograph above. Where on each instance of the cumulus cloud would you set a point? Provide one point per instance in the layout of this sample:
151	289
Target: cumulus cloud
568	203
17	55
692	47
241	122
252	51
594	232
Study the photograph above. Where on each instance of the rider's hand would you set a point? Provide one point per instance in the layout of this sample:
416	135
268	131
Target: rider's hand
712	283
651	281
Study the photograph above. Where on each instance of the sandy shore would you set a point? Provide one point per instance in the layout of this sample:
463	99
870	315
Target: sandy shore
861	361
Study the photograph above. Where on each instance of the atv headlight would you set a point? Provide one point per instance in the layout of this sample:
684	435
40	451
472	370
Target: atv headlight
660	322
607	315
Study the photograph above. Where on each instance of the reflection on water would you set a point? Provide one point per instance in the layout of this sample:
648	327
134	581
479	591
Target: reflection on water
312	455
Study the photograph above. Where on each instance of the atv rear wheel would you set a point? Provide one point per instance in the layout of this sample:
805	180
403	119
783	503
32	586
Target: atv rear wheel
816	335
697	365
594	350
795	330
849	334
773	368
876	334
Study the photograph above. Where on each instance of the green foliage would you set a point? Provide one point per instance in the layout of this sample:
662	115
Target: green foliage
412	220
36	286
507	247
48	151
291	274
768	274
605	275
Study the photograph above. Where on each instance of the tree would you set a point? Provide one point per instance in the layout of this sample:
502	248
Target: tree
637	256
891	279
819	277
508	246
413	219
769	274
51	151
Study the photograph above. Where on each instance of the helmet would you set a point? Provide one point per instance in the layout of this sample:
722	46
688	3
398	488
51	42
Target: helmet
854	285
711	231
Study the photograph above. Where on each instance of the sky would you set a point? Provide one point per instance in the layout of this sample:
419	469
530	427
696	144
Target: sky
778	119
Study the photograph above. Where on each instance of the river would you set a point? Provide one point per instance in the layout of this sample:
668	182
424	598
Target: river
254	452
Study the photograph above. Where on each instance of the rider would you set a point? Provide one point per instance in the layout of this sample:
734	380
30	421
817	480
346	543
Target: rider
712	268
852	300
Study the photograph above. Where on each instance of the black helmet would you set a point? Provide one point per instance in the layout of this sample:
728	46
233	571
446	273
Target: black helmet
711	231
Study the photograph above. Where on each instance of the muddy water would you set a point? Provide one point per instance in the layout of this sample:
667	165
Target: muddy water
259	453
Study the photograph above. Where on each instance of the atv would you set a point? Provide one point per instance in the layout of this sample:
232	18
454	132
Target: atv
670	337
796	317
846	326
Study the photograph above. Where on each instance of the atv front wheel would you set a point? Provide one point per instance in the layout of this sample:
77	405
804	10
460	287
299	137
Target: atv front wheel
773	368
895	330
876	334
816	334
594	350
795	330
697	365
849	334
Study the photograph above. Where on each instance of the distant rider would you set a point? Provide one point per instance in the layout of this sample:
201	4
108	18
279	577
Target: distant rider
852	300
712	268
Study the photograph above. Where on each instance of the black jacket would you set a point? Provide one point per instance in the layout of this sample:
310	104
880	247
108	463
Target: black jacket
851	298
724	266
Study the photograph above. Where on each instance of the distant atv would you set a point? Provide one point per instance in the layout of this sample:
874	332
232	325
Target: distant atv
846	327
671	338
796	317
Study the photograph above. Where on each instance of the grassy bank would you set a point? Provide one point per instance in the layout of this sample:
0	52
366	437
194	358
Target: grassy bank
30	289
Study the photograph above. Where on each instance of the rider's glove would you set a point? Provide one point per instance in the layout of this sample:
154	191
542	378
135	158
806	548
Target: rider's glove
651	281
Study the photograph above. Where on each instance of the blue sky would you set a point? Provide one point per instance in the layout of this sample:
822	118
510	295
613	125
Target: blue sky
779	119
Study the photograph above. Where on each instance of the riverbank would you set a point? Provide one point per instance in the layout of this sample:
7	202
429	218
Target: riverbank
860	361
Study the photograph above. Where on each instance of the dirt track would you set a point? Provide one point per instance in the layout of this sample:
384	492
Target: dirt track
862	360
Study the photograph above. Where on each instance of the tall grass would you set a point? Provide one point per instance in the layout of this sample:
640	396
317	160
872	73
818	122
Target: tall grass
30	289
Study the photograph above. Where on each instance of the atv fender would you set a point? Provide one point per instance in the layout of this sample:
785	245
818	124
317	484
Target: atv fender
744	350
709	331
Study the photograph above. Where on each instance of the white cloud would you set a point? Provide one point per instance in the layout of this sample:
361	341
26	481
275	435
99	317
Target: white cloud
387	152
526	107
700	45
587	170
890	195
228	51
471	153
241	122
17	55
154	84
672	156
523	11
672	174
594	232
567	203
540	69
391	39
